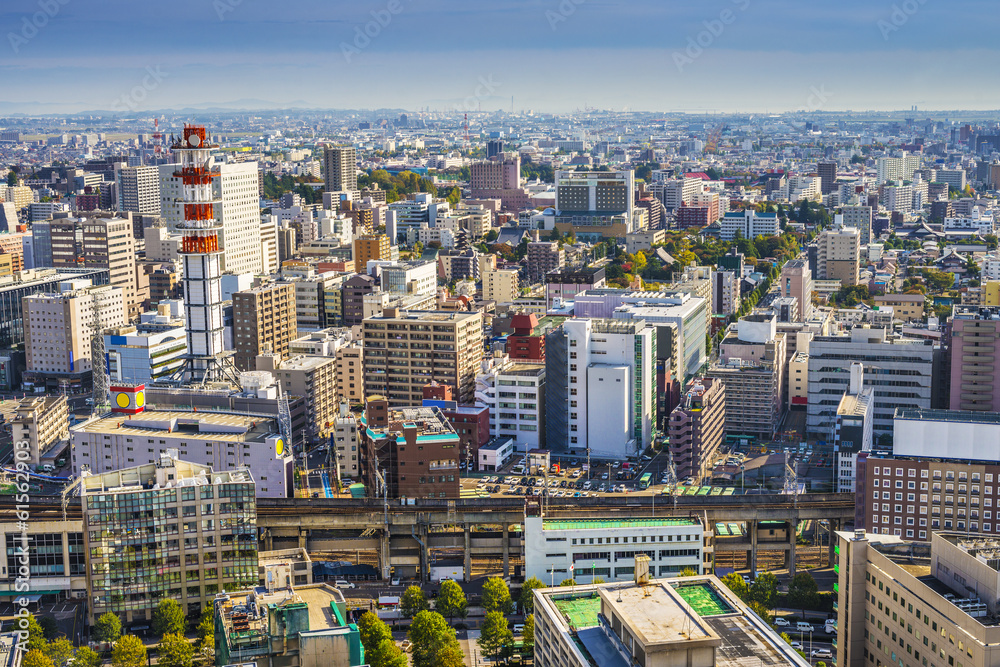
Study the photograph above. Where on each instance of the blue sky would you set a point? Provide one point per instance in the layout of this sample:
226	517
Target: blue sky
551	55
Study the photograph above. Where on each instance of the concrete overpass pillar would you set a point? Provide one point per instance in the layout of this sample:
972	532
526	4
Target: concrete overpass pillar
468	554
385	555
303	538
425	552
790	557
753	548
506	550
268	541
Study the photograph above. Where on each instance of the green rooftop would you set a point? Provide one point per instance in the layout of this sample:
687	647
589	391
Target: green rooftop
602	524
580	611
704	599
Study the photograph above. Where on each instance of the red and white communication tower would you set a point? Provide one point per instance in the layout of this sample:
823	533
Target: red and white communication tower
157	138
207	359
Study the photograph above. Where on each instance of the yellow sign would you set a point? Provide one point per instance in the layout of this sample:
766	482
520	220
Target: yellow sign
140	399
123	400
279	446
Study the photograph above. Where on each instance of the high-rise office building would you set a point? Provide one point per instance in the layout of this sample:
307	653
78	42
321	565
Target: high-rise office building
494	147
167	530
138	189
838	255
601	386
827	170
340	169
405	350
595	204
975	358
900	370
369	247
58	329
696	428
235	199
796	281
263	321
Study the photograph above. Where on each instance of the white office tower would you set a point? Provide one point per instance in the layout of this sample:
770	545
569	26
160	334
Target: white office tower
201	253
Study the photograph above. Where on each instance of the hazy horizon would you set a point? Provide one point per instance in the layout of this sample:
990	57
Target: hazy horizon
552	56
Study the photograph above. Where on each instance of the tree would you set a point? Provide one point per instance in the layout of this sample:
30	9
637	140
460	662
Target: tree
36	658
527	597
450	655
451	600
496	596
413	602
129	651
429	633
495	635
760	610
735	583
385	654
688	572
169	618
802	590
372	630
206	625
765	590
36	636
59	650
108	628
12	177
87	657
175	651
49	627
528	634
455	196
568	582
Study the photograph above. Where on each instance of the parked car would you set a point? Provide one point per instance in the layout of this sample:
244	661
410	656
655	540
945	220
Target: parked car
822	653
394	582
343	583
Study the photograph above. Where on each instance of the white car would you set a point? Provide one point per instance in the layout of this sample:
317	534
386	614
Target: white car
781	622
822	653
343	583
394	582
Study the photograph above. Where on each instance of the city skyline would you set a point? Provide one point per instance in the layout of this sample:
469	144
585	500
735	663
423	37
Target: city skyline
548	56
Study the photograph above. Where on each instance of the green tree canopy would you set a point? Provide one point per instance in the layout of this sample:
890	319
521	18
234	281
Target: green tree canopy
108	628
129	651
802	591
36	635
527	597
174	651
450	655
429	633
372	630
59	650
765	590
495	635
568	582
413	602
36	658
735	583
385	654
87	657
528	634
496	596
169	618
450	601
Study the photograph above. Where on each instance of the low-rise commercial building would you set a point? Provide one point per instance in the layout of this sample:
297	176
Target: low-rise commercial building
41	422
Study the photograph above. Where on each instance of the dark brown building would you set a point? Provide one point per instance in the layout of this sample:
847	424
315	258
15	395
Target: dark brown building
263	321
354	291
416	449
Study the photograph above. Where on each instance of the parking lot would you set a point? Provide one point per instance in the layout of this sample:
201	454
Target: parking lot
68	614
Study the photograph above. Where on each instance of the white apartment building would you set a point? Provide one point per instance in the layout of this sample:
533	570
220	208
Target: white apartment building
583	549
405	277
58	327
989	268
896	168
513	392
672	192
500	285
898	198
407	213
981	222
749	224
859	217
609	368
138	189
238	194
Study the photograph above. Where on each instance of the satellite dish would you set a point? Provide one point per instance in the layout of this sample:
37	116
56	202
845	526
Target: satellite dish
194	140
